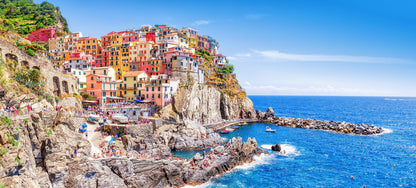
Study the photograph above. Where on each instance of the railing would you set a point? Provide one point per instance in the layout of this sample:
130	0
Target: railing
128	88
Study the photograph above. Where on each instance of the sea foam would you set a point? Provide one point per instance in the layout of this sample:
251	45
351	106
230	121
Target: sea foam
386	131
286	150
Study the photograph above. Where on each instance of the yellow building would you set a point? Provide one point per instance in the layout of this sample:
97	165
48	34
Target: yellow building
193	42
89	45
156	67
183	41
133	85
115	55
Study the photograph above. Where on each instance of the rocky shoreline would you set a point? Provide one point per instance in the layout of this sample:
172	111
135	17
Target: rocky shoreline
339	127
44	155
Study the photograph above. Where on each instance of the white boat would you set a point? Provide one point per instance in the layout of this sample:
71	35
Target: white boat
229	129
268	129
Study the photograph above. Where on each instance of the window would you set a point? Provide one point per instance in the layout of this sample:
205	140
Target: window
125	92
153	88
147	89
153	96
158	89
158	96
92	78
134	78
92	85
125	79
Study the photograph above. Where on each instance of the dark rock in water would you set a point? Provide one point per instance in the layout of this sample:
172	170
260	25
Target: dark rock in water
269	113
276	148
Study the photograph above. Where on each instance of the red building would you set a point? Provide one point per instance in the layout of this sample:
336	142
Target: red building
43	34
99	62
151	36
146	66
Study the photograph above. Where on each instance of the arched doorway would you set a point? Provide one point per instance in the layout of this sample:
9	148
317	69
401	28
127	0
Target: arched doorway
13	58
65	86
56	86
25	63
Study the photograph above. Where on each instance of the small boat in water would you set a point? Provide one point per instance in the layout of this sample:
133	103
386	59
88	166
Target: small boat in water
268	129
229	129
245	123
236	127
223	131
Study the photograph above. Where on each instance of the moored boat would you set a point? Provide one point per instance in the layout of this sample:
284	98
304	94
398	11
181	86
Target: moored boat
229	129
268	129
223	131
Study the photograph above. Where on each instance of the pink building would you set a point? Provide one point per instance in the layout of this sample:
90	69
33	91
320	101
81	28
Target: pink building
43	34
101	87
161	89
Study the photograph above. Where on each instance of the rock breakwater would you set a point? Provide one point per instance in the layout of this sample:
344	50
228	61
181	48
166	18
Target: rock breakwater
340	127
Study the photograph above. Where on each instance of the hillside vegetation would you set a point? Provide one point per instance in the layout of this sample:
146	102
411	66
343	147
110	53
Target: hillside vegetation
24	16
222	78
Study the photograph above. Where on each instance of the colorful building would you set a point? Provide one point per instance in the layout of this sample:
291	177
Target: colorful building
140	51
78	60
42	35
101	87
89	45
81	77
133	85
160	89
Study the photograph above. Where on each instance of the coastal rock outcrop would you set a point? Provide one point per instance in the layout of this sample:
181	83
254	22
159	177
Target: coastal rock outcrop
190	136
207	105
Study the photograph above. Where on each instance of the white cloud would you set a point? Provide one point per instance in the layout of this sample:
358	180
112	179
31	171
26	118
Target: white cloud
201	22
321	90
243	55
274	55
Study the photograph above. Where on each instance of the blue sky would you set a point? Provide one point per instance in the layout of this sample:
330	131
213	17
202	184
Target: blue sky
282	47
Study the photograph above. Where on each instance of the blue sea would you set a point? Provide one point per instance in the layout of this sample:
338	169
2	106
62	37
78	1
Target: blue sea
316	158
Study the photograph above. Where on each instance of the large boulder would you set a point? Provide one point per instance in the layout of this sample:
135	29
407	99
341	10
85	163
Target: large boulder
70	103
276	147
269	113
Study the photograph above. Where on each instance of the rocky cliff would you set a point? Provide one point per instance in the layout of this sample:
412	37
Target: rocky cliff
206	104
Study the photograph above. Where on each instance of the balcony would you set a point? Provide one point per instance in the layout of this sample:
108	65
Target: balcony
128	88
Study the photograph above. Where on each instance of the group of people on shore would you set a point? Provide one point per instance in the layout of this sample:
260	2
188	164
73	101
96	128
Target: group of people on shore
12	111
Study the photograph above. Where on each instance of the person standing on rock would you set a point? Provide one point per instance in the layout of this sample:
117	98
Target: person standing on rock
75	152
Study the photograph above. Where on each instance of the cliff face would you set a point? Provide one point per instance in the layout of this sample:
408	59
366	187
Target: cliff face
206	104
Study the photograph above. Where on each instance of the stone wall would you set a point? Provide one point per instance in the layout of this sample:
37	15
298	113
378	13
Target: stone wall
56	81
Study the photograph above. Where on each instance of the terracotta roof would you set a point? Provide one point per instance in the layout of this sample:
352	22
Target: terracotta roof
133	73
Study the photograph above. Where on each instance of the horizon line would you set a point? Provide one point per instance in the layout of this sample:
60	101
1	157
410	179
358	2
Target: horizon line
268	95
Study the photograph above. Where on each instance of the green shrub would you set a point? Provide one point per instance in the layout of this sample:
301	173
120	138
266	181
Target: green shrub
30	52
5	120
50	132
3	151
11	140
18	161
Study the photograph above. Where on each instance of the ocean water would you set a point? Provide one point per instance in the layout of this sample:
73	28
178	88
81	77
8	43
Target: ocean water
316	158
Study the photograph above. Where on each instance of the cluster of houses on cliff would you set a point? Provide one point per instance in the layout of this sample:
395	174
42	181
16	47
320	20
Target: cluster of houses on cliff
146	64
